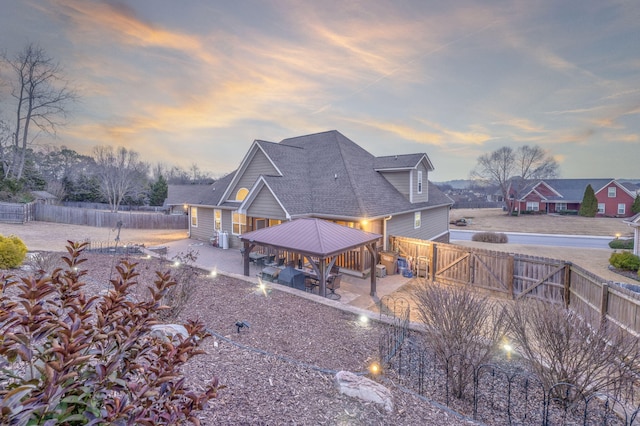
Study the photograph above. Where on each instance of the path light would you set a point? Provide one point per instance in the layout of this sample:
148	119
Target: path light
214	273
508	349
176	263
374	368
364	320
617	235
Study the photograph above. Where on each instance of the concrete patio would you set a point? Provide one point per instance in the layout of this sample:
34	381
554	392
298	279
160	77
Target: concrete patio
354	291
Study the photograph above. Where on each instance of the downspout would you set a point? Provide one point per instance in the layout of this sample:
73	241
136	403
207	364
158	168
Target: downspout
385	240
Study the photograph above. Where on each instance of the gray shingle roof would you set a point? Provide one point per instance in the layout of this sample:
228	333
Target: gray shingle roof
327	175
570	190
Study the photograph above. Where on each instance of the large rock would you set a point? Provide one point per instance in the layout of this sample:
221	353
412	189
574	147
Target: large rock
169	331
364	389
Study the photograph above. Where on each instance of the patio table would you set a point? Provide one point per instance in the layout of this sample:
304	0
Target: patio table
270	273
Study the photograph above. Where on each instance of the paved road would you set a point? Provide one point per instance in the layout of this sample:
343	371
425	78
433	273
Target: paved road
581	241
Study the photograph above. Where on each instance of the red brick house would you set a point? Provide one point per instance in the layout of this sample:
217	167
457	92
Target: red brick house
615	197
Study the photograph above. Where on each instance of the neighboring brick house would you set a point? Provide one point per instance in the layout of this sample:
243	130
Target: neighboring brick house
615	197
323	175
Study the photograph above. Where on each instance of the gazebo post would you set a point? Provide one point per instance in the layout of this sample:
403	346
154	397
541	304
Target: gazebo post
373	249
246	258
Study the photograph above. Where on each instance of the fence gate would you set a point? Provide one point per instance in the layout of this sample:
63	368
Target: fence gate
489	270
540	278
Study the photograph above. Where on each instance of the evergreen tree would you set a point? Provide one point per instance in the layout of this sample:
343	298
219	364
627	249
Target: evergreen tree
589	206
635	207
158	191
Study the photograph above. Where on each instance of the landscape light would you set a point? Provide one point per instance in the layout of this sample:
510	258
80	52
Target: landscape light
214	273
176	263
508	349
374	368
364	319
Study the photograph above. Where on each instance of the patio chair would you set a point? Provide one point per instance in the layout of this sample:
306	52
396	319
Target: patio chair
335	270
310	284
333	283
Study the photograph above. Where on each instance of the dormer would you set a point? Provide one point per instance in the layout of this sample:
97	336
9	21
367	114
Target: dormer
408	173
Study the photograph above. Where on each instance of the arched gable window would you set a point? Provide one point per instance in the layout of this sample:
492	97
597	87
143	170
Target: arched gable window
241	194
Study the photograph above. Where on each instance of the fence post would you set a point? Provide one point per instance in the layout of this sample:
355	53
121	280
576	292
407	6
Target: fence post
510	274
434	261
567	284
604	301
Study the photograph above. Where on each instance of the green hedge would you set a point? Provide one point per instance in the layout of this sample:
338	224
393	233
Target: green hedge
621	244
625	260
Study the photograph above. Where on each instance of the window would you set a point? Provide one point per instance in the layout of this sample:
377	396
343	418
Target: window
533	206
241	194
416	220
239	223
217	220
419	182
600	208
194	217
611	192
561	206
621	208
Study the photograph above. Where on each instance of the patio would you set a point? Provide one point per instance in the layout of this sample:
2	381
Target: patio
354	291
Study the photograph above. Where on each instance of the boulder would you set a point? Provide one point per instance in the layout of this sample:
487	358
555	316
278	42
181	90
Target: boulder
363	388
169	331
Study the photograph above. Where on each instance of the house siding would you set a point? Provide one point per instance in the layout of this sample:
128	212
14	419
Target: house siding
258	165
424	197
400	181
433	223
204	231
266	206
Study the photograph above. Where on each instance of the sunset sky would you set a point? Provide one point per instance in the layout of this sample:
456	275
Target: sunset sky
185	82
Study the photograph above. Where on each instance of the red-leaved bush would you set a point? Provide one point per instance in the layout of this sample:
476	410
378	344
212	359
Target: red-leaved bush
66	358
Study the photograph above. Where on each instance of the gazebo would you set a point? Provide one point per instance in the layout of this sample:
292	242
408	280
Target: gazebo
311	237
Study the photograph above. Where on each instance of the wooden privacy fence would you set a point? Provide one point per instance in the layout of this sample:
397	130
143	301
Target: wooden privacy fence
16	212
104	219
517	276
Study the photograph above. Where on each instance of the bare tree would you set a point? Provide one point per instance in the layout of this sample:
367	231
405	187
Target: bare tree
563	348
41	96
464	329
512	170
121	173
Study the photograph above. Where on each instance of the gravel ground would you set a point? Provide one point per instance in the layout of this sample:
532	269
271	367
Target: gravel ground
279	370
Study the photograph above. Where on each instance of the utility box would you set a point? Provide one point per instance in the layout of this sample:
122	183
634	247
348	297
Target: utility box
389	259
381	271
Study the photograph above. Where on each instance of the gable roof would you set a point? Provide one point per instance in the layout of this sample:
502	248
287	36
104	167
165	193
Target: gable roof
568	190
325	175
401	162
627	187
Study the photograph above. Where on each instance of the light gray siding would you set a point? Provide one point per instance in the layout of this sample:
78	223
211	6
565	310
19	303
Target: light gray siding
400	180
265	205
204	231
258	165
433	223
424	197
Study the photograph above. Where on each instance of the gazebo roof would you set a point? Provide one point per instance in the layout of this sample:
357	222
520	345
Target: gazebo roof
311	236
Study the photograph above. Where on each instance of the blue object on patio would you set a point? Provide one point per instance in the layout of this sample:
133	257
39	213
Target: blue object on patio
292	277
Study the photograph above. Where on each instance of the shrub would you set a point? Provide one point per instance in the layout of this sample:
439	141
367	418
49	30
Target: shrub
12	252
621	244
490	237
464	329
625	260
563	348
71	359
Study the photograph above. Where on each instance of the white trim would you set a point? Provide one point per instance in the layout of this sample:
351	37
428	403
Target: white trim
243	167
253	193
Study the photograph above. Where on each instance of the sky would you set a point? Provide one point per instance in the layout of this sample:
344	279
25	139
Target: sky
196	82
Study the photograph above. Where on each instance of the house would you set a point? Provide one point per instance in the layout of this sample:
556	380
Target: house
178	195
323	175
615	197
